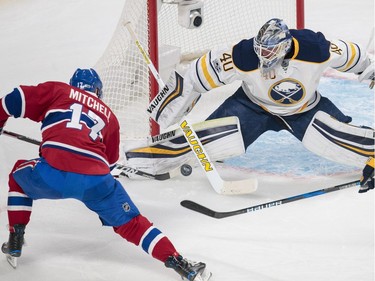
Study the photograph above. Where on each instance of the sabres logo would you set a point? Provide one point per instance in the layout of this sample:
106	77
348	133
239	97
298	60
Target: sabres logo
287	92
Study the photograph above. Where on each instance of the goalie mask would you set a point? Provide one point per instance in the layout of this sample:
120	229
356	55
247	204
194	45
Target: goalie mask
271	44
88	80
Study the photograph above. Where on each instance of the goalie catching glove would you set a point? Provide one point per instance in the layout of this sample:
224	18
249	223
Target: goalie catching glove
173	102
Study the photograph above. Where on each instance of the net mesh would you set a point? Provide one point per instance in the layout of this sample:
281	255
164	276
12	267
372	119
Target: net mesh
125	76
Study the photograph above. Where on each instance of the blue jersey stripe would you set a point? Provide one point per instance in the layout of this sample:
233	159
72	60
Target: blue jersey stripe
58	116
14	102
55	117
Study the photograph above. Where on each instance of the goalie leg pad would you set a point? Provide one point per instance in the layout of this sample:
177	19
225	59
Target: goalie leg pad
221	138
339	142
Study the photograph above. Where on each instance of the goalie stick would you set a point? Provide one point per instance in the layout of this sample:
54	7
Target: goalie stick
220	186
125	171
219	215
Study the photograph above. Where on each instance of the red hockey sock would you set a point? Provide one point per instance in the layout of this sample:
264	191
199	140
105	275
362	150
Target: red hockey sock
19	204
140	231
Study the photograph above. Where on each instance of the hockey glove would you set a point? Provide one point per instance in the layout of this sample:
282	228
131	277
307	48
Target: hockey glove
367	179
175	101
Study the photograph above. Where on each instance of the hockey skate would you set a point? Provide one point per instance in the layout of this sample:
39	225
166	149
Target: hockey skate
188	270
13	248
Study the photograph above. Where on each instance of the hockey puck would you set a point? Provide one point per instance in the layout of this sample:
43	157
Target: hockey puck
186	170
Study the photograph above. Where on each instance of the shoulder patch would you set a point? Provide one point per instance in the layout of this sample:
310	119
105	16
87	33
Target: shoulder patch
313	46
244	57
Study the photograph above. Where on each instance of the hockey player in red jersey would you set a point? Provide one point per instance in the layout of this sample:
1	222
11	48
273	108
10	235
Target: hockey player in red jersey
80	146
280	70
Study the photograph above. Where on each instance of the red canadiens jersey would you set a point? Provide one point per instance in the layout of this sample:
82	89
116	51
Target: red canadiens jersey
79	132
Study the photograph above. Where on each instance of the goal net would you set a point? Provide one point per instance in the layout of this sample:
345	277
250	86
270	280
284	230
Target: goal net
128	85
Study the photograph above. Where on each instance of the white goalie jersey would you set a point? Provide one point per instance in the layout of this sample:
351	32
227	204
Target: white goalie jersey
294	87
291	90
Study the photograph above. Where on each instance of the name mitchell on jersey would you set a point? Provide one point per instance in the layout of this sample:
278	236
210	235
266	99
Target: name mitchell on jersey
91	102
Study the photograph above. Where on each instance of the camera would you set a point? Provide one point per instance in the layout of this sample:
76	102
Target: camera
190	14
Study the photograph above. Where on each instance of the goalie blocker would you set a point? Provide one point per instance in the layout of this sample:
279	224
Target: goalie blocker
165	152
174	101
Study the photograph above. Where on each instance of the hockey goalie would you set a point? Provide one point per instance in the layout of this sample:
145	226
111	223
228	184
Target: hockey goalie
280	69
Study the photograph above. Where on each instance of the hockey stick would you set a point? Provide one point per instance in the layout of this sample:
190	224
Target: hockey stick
128	171
219	185
125	171
219	215
21	137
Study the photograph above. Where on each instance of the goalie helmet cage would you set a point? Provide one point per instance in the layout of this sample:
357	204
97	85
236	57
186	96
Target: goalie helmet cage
127	84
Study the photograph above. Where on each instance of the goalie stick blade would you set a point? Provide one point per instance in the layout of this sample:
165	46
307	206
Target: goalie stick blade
245	186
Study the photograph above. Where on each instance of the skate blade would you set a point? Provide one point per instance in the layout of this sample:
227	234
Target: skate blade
12	261
204	276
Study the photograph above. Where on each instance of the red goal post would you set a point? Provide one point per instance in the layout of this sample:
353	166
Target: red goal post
128	85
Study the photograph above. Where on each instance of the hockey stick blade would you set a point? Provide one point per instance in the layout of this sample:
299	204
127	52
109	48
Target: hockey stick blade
128	171
191	205
219	215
